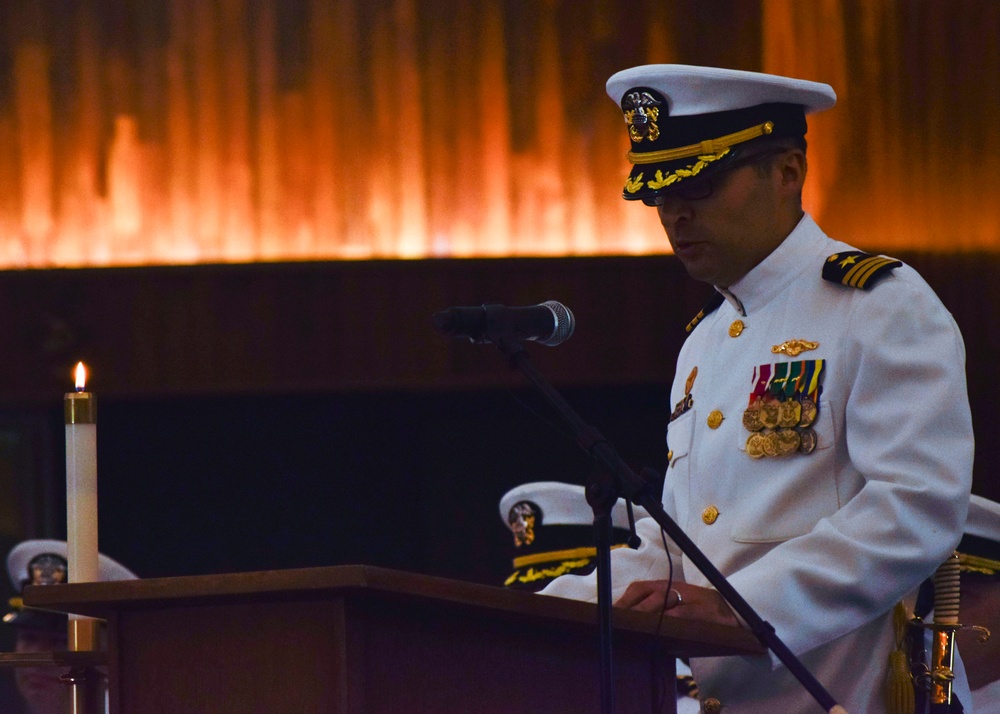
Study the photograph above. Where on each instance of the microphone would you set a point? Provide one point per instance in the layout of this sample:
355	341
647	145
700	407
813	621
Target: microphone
550	323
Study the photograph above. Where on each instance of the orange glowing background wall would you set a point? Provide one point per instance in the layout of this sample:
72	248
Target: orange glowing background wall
190	131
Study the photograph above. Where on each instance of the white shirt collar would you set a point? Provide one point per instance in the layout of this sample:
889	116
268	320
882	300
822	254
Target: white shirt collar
803	249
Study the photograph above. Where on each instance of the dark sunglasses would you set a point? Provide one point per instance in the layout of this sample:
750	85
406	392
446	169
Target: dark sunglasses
700	189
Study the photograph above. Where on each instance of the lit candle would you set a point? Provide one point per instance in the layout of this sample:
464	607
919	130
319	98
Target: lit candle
80	409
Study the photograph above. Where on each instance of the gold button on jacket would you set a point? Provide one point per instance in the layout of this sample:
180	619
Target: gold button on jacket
710	515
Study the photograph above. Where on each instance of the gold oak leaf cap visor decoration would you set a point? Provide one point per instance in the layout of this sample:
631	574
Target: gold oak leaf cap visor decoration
688	123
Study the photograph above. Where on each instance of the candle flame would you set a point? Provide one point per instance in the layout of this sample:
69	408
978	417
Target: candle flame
81	376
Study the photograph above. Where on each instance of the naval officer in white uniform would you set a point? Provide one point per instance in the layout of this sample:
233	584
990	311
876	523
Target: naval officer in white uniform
821	443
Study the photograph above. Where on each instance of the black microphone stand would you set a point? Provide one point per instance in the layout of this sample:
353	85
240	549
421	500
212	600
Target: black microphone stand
602	495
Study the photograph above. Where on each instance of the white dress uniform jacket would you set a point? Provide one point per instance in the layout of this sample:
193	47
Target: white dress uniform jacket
986	699
821	545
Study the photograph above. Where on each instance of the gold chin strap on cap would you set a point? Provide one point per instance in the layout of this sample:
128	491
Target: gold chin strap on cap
709	146
977	564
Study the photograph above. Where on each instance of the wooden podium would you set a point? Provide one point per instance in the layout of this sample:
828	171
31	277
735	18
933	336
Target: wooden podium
365	640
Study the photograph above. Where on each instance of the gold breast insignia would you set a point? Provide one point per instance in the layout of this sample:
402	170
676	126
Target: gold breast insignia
793	348
687	401
689	384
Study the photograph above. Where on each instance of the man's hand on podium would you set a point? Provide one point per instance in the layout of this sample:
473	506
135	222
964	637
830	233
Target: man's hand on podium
682	600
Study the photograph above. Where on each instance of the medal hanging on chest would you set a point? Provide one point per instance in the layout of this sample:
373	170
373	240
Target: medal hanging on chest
784	404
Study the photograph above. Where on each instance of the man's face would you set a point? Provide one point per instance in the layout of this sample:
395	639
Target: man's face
719	239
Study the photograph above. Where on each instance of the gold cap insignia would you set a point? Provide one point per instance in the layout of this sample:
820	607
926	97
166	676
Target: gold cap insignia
641	112
521	519
47	569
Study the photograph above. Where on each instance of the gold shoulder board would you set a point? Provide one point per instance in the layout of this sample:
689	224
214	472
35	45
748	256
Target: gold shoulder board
858	270
713	303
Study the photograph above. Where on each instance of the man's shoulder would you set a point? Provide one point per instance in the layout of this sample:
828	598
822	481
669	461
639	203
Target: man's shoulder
877	279
842	265
875	291
857	269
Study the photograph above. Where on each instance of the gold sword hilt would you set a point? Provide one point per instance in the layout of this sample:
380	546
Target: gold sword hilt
947	598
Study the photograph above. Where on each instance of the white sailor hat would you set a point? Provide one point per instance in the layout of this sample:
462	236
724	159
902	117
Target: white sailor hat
979	550
552	525
44	562
687	123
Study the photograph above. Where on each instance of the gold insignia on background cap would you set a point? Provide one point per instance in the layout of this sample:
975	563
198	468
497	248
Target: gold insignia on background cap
47	569
522	519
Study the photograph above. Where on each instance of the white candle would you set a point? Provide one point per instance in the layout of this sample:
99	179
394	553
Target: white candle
80	409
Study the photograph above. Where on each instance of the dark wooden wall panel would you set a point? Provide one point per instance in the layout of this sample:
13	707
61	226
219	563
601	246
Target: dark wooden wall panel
363	325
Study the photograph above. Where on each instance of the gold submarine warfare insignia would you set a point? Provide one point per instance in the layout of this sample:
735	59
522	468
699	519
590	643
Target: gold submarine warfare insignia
793	348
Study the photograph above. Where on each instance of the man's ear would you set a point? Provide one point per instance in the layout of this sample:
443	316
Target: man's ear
791	168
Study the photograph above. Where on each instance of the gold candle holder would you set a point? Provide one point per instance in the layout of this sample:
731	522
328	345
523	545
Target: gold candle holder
80	408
